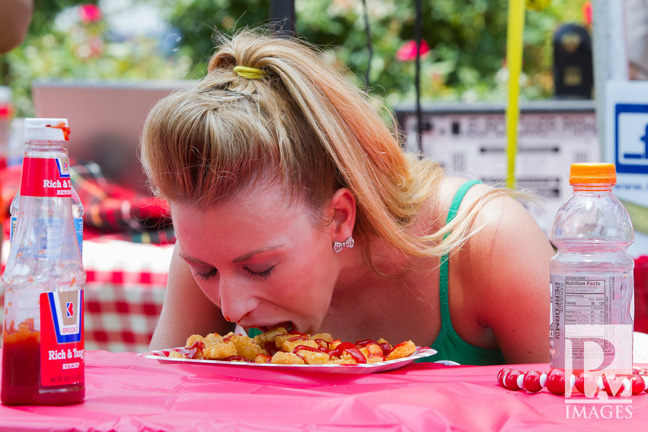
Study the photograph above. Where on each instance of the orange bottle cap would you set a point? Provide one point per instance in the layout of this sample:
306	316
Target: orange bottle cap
585	173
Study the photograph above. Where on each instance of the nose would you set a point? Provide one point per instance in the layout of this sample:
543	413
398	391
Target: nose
235	300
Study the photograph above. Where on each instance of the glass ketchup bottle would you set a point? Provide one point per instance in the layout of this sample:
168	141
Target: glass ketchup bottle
43	336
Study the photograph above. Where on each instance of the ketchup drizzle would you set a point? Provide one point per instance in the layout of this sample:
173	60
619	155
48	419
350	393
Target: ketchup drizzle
351	349
304	348
191	352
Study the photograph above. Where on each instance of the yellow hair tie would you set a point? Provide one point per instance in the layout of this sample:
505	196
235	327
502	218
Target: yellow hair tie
249	72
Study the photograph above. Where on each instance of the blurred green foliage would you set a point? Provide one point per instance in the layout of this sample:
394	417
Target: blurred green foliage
467	40
466	61
81	49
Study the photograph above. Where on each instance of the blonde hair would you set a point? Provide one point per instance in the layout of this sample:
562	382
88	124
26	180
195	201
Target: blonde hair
301	124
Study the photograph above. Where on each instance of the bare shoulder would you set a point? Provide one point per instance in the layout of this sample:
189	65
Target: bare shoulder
501	212
439	203
505	267
501	216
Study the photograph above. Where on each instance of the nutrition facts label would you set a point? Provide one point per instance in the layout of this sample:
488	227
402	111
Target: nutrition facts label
589	326
585	301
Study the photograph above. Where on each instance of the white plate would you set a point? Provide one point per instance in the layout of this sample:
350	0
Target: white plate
368	368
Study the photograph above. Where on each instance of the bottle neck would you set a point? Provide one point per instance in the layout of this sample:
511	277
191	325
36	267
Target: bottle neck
45	149
593	187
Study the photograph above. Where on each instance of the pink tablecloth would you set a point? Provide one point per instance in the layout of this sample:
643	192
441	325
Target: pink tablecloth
130	393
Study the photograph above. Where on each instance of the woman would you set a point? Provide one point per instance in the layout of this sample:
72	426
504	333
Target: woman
294	204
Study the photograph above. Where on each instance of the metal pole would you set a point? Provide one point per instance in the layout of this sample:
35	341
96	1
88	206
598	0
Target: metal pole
417	77
609	55
282	16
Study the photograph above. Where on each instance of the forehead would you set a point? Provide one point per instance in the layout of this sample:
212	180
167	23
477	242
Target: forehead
261	213
263	199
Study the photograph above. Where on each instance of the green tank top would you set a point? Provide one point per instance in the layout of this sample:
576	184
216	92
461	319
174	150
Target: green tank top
449	344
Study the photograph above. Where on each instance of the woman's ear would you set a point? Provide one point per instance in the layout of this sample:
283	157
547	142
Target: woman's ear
343	208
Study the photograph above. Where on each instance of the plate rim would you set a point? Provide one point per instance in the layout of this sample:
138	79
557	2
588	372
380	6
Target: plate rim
421	352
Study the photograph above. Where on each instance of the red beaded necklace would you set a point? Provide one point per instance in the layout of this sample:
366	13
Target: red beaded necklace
586	383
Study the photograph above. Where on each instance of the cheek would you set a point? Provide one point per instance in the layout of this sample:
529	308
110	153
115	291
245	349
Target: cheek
312	254
211	289
315	275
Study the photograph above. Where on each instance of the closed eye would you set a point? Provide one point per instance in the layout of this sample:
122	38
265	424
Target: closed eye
206	276
263	275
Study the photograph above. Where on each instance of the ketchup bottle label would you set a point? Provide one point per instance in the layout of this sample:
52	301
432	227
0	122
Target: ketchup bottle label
46	177
62	338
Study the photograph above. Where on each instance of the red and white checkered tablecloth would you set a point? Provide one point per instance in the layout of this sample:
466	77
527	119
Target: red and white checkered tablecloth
123	294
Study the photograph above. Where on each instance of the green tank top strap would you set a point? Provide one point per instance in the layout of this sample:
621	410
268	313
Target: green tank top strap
443	270
458	198
449	344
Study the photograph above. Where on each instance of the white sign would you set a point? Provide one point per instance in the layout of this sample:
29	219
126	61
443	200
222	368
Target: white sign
473	145
626	145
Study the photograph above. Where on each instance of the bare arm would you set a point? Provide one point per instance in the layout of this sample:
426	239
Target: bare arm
186	309
15	16
512	255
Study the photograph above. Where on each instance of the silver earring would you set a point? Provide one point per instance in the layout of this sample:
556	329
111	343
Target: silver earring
340	246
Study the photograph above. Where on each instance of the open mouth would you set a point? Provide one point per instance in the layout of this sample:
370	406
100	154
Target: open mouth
288	325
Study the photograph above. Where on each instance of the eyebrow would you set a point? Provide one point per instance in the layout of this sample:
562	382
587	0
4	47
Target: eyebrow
249	255
241	258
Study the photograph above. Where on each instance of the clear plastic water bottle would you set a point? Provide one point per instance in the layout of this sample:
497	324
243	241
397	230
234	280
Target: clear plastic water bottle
16	146
43	337
77	212
592	288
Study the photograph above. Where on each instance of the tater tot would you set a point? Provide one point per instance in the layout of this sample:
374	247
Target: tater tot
383	341
213	339
346	359
281	339
334	343
262	358
289	345
245	347
373	353
372	350
176	354
313	357
193	339
325	336
220	351
269	337
401	350
286	358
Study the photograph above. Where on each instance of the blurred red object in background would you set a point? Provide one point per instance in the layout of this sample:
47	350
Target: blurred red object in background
407	52
641	294
89	13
